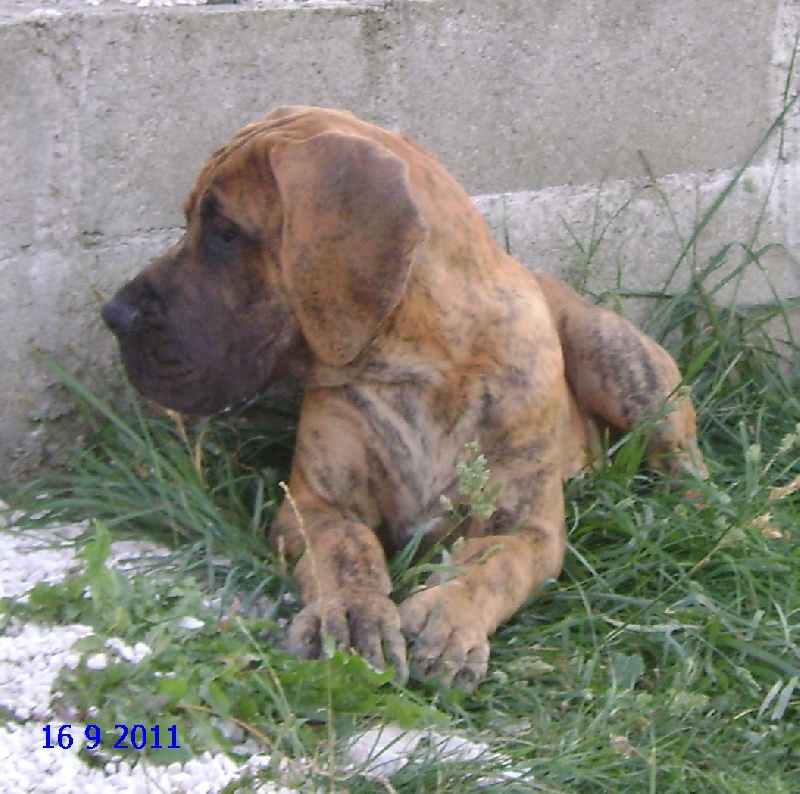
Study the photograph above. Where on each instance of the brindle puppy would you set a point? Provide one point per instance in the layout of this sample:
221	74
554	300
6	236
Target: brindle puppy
325	251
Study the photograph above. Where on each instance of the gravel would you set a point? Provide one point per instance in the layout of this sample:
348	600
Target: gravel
44	5
41	10
31	656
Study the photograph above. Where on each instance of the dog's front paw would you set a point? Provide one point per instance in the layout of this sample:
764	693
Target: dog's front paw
367	623
448	641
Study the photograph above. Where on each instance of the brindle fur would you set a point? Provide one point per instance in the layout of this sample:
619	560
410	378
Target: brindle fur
324	251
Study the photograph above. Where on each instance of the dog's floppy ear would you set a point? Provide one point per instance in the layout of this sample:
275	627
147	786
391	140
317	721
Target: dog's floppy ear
350	229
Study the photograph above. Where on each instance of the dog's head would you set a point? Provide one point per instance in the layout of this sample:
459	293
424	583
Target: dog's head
300	235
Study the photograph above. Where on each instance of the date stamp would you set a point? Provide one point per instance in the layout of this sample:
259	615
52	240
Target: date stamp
133	737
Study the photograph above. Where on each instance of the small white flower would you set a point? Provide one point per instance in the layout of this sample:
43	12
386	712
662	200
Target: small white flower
753	453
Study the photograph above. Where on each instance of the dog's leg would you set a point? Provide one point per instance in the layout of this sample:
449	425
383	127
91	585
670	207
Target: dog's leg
624	378
488	579
450	622
324	526
345	585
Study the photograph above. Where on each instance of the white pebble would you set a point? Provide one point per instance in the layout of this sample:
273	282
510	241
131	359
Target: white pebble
191	623
31	656
133	654
97	661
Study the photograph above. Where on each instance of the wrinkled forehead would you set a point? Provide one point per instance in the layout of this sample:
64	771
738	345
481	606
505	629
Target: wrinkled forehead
285	123
215	165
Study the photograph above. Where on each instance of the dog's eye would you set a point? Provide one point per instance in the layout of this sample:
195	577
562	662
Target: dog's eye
222	241
226	231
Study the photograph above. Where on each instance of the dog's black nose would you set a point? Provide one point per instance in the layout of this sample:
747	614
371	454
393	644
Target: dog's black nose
120	317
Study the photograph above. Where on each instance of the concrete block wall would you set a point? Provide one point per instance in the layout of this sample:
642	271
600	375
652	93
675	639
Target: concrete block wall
562	117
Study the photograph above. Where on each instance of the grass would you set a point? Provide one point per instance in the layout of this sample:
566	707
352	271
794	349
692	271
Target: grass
665	659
